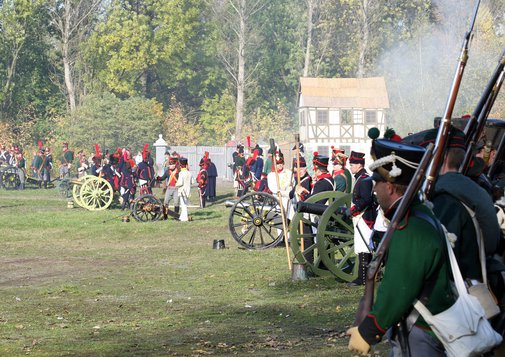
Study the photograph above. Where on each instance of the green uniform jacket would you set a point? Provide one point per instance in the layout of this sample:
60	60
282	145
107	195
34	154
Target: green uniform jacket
343	181
37	162
417	252
267	167
68	157
348	176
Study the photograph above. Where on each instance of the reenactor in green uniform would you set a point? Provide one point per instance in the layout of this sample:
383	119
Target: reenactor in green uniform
47	166
66	160
416	262
37	162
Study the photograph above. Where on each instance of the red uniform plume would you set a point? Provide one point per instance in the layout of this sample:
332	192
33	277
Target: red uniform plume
248	141
145	152
98	153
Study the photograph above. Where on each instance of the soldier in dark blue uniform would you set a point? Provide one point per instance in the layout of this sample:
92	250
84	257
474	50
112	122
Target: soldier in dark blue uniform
127	183
202	180
145	172
96	168
211	187
364	208
322	182
257	167
305	181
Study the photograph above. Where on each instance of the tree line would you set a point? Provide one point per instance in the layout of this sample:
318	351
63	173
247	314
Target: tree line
119	72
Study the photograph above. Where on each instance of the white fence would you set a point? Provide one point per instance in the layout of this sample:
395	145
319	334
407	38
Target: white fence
221	156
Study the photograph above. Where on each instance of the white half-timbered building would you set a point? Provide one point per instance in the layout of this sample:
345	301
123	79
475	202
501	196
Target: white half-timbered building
339	111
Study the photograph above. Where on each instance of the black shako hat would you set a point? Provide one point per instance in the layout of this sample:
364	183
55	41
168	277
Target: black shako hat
395	162
320	160
183	161
357	158
303	163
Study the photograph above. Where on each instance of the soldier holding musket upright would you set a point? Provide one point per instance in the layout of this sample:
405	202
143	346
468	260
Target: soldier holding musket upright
417	262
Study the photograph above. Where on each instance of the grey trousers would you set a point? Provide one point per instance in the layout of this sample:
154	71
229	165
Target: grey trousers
421	344
171	193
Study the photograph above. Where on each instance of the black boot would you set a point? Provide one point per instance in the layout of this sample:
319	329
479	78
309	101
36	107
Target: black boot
363	260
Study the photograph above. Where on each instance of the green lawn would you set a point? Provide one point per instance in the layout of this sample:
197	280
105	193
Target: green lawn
80	283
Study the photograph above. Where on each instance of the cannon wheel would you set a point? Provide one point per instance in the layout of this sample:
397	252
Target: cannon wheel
76	189
255	221
335	241
96	194
147	208
322	264
10	178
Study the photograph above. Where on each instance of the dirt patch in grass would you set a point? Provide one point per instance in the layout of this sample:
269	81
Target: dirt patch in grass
29	271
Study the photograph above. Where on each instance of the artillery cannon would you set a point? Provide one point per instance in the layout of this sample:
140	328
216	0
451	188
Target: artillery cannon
332	234
11	178
255	222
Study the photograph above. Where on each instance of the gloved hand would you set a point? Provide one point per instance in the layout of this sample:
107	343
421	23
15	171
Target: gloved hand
356	342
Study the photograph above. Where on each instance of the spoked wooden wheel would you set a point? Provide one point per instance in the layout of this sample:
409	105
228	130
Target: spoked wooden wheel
96	194
335	241
147	208
255	221
310	256
76	189
10	178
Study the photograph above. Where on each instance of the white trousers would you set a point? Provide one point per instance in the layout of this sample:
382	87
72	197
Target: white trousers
184	209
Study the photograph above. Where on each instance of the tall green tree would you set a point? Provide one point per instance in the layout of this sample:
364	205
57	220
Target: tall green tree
154	48
28	96
239	38
72	22
218	119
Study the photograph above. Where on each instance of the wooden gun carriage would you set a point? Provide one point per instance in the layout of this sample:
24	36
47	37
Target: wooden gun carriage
255	222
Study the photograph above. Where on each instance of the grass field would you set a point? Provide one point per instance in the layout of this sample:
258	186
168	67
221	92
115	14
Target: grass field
80	283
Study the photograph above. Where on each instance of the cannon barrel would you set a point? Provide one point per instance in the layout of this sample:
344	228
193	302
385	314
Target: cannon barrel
312	208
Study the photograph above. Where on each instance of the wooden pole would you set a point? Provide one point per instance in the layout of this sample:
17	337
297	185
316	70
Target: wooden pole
297	143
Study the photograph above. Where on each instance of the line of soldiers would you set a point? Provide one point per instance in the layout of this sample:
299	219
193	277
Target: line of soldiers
417	266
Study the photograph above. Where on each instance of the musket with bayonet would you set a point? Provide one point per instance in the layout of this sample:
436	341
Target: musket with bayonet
477	122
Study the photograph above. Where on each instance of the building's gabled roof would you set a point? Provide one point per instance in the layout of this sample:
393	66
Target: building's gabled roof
366	93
